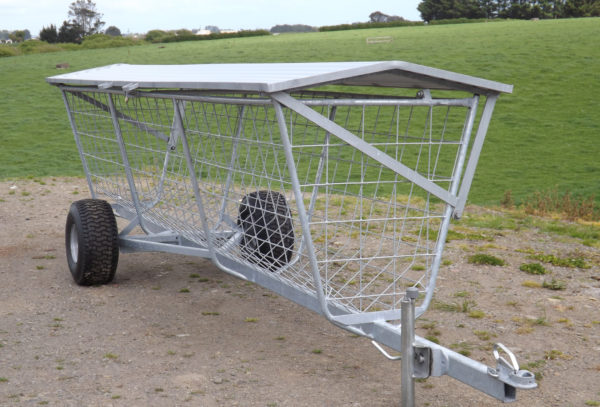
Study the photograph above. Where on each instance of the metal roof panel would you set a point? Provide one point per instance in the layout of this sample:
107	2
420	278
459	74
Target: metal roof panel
274	77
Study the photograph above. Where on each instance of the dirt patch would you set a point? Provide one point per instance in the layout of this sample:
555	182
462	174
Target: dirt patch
174	330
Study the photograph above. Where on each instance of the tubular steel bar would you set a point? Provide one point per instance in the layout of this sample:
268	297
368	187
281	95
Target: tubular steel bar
127	167
408	352
194	182
366	148
484	123
339	202
84	163
302	213
236	139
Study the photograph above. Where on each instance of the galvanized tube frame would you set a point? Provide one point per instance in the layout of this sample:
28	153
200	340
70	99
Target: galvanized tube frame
500	383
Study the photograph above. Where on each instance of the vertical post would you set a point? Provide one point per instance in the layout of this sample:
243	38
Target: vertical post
236	139
484	123
176	130
322	161
322	166
86	168
126	166
407	331
178	120
302	214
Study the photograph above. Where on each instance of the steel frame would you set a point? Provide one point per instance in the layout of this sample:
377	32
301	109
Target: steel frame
420	357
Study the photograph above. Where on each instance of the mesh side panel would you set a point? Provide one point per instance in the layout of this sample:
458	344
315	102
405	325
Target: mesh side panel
374	233
99	145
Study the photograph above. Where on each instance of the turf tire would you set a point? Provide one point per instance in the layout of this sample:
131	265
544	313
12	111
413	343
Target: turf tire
91	240
268	238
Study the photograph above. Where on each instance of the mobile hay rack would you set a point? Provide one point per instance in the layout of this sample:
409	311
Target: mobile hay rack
338	201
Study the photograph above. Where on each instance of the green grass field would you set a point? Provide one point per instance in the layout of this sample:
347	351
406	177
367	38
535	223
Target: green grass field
545	135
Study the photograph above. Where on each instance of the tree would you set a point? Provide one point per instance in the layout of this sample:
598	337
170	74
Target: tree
489	8
183	32
379	17
473	8
85	15
70	32
17	36
441	9
49	34
155	35
113	31
518	9
295	28
581	8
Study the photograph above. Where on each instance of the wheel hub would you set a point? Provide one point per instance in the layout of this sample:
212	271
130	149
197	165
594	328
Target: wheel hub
74	243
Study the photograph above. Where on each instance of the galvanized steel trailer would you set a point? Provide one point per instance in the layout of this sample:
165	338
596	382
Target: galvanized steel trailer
337	200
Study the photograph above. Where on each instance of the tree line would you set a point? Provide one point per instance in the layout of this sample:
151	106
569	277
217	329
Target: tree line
292	28
15	36
86	20
432	10
86	25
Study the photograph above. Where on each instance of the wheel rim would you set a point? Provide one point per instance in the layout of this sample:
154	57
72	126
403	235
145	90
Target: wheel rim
74	243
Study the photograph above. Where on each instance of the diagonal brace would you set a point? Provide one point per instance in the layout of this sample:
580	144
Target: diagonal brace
121	116
364	147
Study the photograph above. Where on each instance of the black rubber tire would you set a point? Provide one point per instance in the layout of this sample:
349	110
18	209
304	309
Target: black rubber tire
91	240
266	221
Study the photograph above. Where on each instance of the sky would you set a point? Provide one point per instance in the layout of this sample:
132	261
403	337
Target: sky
141	16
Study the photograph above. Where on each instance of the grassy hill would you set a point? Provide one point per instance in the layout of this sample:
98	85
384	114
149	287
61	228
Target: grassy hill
545	135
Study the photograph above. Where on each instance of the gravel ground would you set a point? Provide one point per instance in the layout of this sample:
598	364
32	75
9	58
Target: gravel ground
143	341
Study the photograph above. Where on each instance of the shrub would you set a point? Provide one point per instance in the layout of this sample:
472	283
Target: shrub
574	261
69	46
507	201
38	47
8	51
432	338
477	314
533	268
482	258
113	31
531	284
404	23
97	41
447	21
155	35
554	284
568	206
214	36
356	26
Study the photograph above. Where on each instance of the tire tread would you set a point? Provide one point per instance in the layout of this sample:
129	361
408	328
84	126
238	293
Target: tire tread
99	253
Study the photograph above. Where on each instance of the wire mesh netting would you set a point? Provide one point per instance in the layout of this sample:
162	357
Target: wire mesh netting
373	232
